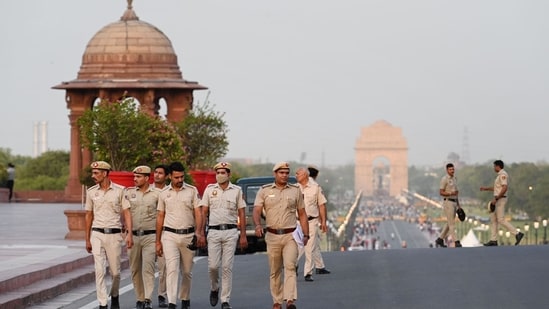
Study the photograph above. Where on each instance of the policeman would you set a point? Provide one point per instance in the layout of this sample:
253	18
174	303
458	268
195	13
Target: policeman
448	189
225	204
178	218
497	217
315	207
161	177
142	200
103	230
281	201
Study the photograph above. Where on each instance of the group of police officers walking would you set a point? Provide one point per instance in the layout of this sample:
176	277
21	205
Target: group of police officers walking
163	224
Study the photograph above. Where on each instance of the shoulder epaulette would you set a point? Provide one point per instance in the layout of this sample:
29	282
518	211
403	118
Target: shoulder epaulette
118	186
93	187
295	185
267	185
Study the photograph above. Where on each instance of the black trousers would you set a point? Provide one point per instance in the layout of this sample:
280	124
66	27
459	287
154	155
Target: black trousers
10	184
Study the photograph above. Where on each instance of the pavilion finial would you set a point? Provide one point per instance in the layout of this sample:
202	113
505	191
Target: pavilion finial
129	14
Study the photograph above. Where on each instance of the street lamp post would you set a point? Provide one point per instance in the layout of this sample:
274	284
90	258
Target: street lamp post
544	222
536	226
508	234
501	236
526	229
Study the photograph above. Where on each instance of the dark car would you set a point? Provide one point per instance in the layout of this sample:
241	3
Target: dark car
250	186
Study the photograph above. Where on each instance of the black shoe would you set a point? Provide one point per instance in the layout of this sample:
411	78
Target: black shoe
103	307
162	303
226	305
172	306
458	244
290	305
147	304
114	302
491	243
518	237
322	271
214	298
440	243
185	304
309	278
139	305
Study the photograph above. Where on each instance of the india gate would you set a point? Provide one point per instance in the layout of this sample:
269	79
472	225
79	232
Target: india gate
129	58
381	164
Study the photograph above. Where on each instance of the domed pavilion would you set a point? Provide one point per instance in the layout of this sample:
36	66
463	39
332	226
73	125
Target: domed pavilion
129	57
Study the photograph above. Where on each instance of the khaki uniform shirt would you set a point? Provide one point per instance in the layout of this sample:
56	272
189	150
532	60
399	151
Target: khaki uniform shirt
179	206
280	205
106	205
223	204
142	205
502	179
313	198
449	185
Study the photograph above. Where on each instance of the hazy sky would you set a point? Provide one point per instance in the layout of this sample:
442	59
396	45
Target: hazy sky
306	76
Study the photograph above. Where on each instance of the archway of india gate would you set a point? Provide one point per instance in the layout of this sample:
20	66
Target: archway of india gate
129	58
381	160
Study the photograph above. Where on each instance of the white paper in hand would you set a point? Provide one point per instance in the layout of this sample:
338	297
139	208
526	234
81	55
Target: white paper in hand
298	236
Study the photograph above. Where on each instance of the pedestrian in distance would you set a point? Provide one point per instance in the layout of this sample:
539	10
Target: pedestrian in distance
315	207
142	200
161	178
499	200
448	189
223	206
104	238
178	217
11	180
281	201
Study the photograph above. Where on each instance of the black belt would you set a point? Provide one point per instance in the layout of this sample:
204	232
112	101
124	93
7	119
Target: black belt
222	227
311	218
280	231
143	232
106	231
501	197
179	231
451	199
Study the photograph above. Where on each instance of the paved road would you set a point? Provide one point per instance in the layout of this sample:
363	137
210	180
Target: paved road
501	277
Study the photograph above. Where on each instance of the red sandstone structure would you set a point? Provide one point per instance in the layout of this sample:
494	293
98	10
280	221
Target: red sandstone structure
128	57
381	164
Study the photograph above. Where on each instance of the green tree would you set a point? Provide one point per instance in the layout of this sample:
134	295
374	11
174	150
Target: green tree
118	132
204	137
49	171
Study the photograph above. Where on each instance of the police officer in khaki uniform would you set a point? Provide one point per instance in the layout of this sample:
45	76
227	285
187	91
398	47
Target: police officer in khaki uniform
281	201
449	191
103	230
315	207
142	200
161	177
179	216
223	205
497	217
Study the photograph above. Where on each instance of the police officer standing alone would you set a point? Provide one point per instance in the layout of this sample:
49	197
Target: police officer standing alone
178	217
103	230
161	176
497	217
449	191
225	204
315	207
11	180
281	201
142	200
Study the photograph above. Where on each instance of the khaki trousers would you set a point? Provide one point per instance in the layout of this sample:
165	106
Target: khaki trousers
221	249
179	259
106	248
498	218
450	227
161	264
282	252
313	257
142	256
